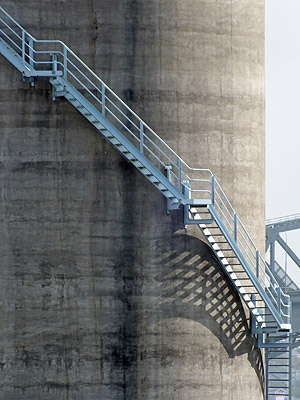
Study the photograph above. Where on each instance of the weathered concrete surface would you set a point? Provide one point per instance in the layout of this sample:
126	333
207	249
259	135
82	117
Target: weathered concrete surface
103	296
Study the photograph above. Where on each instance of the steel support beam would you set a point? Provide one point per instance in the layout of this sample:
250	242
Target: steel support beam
289	251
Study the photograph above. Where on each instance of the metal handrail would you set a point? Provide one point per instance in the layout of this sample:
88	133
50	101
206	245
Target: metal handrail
148	142
249	251
282	219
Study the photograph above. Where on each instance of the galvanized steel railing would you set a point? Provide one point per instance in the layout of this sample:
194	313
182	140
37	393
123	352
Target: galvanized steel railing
286	218
252	261
45	56
54	58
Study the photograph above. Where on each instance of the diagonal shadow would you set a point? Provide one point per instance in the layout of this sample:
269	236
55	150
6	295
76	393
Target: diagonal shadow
193	284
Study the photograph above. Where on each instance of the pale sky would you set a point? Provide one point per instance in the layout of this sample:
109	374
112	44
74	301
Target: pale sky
283	115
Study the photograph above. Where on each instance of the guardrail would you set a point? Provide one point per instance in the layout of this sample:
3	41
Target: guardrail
286	218
250	253
55	56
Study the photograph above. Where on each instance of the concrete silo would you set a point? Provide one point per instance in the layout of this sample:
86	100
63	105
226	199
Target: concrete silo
103	295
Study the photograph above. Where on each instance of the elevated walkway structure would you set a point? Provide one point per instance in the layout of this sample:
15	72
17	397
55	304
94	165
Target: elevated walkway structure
273	229
284	279
196	190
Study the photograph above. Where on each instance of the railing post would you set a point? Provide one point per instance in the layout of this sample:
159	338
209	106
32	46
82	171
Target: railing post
289	306
213	190
103	98
54	62
30	52
141	137
187	194
65	62
278	290
272	256
179	173
23	46
169	176
235	226
257	264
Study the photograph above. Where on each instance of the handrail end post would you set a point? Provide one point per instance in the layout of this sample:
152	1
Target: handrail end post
179	174
187	194
213	190
141	137
23	46
169	176
65	62
257	264
103	95
235	226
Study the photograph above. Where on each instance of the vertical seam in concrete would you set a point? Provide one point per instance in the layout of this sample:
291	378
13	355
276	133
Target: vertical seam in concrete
95	34
231	66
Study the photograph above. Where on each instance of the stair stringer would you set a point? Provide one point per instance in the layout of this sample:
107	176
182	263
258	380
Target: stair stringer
221	258
277	317
120	142
273	325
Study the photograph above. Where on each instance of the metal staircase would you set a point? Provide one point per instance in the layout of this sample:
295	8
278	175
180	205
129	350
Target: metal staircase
278	366
196	190
274	227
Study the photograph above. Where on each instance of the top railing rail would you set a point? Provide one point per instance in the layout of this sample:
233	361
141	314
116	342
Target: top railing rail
43	55
286	218
250	254
36	54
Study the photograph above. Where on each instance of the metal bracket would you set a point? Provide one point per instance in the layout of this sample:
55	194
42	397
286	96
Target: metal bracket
29	79
57	93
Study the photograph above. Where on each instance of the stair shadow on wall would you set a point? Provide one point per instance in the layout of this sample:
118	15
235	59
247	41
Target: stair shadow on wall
193	285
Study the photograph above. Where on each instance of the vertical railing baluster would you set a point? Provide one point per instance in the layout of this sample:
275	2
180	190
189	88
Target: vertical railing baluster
272	257
213	190
23	46
235	226
257	264
103	98
279	298
30	52
141	137
289	306
65	62
187	194
54	63
179	173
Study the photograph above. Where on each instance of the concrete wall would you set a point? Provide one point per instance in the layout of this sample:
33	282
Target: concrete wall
102	295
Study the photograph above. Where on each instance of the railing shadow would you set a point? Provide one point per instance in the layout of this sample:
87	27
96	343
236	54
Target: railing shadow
194	286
